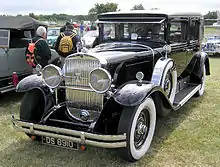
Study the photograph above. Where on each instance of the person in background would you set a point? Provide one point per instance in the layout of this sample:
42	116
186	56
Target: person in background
87	28
81	28
93	27
67	43
62	29
38	51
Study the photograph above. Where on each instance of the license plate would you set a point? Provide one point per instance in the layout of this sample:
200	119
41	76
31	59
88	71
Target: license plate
59	142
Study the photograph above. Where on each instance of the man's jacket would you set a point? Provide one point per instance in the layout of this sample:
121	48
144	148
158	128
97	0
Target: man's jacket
43	51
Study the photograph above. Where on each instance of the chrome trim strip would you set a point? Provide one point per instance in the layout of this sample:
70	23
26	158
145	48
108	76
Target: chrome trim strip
105	141
7	89
73	88
182	102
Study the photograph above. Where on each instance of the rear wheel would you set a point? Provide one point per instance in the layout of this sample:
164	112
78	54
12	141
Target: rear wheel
202	89
139	125
32	107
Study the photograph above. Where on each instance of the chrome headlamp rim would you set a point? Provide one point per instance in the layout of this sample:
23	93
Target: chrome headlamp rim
109	76
59	73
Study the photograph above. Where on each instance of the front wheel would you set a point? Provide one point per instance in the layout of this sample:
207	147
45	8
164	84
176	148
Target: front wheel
32	107
139	125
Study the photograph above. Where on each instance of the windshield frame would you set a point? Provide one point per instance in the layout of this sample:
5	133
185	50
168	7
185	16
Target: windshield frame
102	23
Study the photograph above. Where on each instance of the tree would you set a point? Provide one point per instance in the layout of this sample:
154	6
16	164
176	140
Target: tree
211	15
102	8
33	16
138	7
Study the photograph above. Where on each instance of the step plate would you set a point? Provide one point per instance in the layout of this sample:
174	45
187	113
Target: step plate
184	95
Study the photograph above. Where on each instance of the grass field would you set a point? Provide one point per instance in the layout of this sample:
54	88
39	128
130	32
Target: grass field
188	137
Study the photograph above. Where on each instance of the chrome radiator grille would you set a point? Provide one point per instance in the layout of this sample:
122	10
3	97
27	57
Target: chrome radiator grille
78	92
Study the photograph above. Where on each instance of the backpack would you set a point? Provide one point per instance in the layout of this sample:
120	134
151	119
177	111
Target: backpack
66	43
31	55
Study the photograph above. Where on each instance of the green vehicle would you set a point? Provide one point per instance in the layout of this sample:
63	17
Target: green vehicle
52	35
15	34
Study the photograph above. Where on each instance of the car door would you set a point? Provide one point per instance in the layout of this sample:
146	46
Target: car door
4	48
4	71
178	43
194	37
17	62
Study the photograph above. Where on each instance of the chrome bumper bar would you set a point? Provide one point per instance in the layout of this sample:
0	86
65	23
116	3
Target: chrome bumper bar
84	138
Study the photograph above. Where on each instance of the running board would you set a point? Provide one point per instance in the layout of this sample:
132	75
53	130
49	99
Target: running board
184	95
7	89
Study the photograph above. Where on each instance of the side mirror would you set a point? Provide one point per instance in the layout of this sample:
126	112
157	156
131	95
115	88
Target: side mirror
167	50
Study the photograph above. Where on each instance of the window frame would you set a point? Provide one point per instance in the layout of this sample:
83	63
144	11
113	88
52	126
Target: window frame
8	44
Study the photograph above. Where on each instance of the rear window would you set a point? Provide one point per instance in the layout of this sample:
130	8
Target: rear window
4	38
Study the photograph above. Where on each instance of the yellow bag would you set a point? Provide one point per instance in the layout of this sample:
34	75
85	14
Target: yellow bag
66	43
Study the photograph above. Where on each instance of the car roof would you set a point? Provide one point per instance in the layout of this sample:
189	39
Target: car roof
19	22
155	12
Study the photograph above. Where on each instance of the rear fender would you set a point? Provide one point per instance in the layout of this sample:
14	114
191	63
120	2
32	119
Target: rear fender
204	59
195	67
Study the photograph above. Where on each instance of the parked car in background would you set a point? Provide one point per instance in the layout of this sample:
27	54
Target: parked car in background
52	35
15	34
212	46
90	38
146	65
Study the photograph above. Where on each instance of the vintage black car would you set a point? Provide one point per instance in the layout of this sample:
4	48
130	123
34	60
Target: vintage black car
146	64
15	34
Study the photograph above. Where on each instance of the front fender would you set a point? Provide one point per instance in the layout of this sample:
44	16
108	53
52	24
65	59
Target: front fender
132	94
36	82
29	83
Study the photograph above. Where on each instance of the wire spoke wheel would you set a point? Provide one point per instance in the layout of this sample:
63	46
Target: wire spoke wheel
168	84
141	129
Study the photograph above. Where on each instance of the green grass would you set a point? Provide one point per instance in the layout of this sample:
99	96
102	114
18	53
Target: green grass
188	137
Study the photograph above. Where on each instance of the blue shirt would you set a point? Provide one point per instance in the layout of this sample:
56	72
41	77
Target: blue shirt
81	27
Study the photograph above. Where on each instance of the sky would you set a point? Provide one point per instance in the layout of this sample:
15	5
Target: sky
73	7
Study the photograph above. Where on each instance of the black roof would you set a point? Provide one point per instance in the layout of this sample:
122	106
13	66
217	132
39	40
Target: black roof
19	22
142	16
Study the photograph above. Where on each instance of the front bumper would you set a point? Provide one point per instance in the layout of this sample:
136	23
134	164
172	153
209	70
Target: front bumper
84	138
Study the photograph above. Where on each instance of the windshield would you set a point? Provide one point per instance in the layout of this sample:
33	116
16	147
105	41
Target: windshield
91	34
53	32
133	31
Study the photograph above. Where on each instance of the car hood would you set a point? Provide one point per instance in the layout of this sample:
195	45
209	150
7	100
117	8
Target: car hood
118	52
110	57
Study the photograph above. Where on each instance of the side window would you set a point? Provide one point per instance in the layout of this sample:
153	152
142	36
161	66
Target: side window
177	32
109	31
193	30
20	38
4	38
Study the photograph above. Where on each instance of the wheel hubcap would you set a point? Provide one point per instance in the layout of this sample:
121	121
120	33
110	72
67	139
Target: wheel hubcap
141	129
168	84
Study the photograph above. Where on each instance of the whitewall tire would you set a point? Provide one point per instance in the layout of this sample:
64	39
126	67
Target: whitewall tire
202	89
139	125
